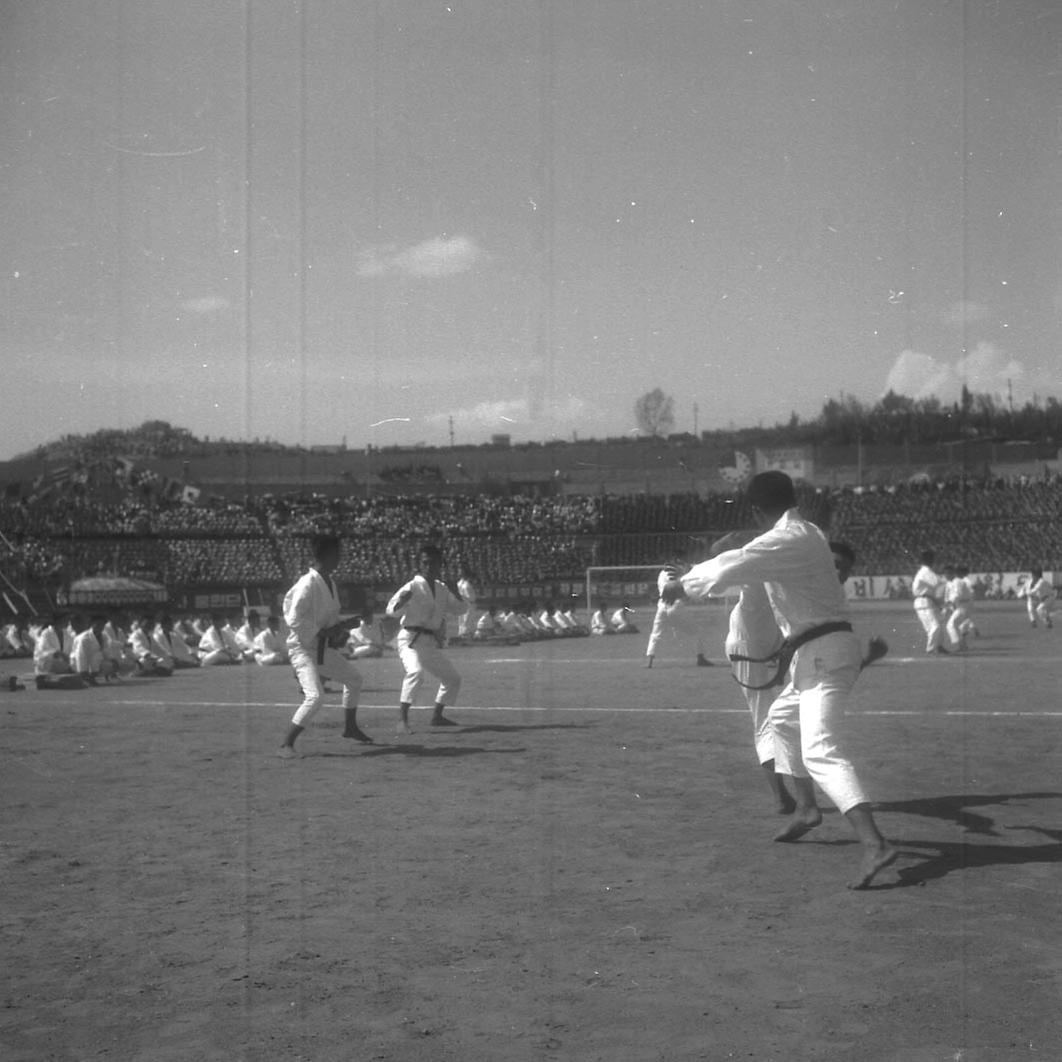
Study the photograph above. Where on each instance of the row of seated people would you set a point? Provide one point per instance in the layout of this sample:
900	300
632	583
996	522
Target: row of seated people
949	501
81	649
71	514
994	546
421	515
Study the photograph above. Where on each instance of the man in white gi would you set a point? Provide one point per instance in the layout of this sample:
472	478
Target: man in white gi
927	589
177	650
957	597
214	649
89	657
269	647
1040	597
151	658
246	634
623	620
599	623
422	606
466	625
793	560
674	618
311	611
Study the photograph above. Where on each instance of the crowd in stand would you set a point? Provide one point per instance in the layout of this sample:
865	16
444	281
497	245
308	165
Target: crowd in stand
989	525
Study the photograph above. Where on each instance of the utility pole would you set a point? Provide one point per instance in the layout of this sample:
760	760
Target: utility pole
696	410
451	432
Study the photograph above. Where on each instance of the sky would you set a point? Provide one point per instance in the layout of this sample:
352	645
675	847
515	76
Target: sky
402	221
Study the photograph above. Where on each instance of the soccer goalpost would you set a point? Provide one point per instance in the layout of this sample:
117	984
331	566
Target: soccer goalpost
620	583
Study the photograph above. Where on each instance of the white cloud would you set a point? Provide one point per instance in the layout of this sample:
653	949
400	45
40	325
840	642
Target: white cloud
206	304
513	414
440	256
984	370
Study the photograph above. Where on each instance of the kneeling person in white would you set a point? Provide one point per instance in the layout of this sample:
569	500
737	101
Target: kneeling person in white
422	605
311	611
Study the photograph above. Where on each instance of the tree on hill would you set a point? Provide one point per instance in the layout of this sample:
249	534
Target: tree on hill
655	413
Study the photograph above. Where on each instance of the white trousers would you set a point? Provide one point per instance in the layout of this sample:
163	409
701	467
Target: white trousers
265	659
929	616
1039	610
421	654
808	714
677	620
749	674
309	673
959	624
466	622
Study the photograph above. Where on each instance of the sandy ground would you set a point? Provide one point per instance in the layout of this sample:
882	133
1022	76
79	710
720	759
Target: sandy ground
582	871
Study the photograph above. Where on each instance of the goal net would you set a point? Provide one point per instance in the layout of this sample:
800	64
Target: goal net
634	585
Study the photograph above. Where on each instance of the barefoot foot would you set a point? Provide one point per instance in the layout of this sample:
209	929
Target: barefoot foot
803	820
871	863
357	734
441	720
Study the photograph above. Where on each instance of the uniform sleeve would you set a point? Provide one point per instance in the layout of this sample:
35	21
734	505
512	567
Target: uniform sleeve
454	606
299	614
394	606
764	560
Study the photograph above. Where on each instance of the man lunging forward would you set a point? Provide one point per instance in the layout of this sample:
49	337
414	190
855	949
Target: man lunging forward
311	611
792	559
422	605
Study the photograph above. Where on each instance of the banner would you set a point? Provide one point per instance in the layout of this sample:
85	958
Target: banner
795	461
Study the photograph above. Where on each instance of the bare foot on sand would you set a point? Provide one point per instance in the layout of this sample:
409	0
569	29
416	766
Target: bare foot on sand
872	862
803	820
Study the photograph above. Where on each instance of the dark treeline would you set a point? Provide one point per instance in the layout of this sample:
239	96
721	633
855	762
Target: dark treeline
893	419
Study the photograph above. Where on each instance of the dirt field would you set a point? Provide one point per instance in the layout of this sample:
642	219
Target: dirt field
582	872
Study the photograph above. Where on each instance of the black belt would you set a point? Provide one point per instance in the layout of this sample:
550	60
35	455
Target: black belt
784	653
418	631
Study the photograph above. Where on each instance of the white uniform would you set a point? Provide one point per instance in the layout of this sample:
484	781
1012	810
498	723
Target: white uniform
623	621
466	625
927	589
423	619
599	624
1040	600
674	618
269	648
957	596
175	647
754	632
311	606
214	649
794	562
49	657
86	656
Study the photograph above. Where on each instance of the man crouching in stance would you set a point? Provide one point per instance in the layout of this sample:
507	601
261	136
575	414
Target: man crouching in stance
792	558
311	611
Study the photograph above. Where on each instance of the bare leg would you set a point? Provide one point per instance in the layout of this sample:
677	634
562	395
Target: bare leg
877	852
785	804
649	660
351	729
807	814
403	718
438	719
287	750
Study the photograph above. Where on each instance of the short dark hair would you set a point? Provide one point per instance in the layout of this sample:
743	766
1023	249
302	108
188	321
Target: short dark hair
431	550
771	492
844	550
322	544
927	556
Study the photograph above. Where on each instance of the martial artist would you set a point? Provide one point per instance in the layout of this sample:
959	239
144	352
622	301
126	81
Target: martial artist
1040	597
673	617
927	589
793	559
422	606
311	611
